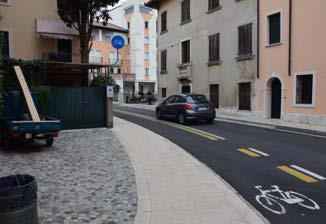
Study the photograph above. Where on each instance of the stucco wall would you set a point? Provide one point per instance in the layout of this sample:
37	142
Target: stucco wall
19	18
224	21
308	47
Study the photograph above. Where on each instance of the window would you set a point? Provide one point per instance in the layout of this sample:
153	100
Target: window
213	4
146	56
147	71
146	25
245	96
304	89
163	21
108	38
185	89
185	11
179	99
163	61
4	1
169	100
245	40
4	43
214	47
128	40
185	51
163	92
274	28
197	99
128	25
146	40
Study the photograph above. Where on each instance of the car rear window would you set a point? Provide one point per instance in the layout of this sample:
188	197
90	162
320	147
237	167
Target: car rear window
197	99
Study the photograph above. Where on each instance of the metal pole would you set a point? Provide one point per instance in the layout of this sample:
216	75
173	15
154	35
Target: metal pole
109	109
109	106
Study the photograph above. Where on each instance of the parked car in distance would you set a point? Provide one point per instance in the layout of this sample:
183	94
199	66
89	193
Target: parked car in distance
185	107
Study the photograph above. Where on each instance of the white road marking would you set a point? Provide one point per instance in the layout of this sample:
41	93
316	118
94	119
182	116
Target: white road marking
308	172
259	152
160	121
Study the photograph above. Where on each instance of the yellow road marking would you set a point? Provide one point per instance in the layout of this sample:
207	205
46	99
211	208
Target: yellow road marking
249	153
298	174
190	130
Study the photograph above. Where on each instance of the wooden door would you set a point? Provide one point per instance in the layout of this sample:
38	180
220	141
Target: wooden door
214	95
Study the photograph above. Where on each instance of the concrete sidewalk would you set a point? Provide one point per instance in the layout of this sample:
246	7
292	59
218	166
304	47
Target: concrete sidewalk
175	188
254	121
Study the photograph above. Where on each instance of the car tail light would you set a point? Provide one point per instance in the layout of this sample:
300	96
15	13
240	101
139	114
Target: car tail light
187	107
56	134
15	136
212	106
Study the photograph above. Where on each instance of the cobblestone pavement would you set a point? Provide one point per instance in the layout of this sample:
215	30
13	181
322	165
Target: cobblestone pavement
86	177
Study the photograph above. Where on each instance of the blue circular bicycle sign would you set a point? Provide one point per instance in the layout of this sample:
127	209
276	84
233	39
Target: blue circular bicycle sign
118	42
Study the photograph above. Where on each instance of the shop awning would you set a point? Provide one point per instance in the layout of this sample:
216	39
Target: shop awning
55	29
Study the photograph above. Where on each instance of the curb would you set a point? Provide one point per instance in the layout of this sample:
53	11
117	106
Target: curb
273	126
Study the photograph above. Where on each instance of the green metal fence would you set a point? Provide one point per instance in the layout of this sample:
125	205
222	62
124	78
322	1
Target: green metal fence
77	107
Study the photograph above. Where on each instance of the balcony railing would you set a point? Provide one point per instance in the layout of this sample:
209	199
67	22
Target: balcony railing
61	57
114	61
184	71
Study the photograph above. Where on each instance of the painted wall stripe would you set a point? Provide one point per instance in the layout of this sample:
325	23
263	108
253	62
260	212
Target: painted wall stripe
298	174
259	152
308	172
249	153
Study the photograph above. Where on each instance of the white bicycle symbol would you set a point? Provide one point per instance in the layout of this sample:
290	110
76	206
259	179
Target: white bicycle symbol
271	202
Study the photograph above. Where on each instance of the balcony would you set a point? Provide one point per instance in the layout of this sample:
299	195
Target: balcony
184	71
61	57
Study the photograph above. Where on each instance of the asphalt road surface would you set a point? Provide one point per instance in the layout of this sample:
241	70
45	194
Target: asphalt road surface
247	157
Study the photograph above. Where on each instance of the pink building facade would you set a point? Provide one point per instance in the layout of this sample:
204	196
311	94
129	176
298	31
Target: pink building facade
292	61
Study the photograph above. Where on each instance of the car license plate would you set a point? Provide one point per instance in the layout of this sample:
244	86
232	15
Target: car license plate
202	108
28	136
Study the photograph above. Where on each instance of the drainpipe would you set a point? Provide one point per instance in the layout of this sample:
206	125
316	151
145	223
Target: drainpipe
258	38
290	37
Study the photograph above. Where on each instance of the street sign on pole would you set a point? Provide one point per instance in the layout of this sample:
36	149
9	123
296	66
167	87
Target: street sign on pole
109	91
118	42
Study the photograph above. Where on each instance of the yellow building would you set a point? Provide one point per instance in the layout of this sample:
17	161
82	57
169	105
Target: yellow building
33	30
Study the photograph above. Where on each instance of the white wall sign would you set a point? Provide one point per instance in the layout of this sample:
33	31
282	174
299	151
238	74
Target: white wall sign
109	91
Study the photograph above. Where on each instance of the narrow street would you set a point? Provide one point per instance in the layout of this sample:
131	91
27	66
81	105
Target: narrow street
247	157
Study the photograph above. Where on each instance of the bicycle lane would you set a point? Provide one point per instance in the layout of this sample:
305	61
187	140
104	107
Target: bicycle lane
244	173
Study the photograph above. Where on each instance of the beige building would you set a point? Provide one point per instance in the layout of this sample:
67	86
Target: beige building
209	47
33	30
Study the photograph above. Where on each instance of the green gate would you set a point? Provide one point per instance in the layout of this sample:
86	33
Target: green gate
77	107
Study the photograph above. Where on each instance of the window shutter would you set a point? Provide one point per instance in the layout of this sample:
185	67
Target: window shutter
245	40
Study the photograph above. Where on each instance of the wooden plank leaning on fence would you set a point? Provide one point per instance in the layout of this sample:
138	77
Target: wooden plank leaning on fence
27	94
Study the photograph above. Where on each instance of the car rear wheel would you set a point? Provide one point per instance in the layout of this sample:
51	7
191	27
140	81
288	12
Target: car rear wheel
158	114
181	118
210	121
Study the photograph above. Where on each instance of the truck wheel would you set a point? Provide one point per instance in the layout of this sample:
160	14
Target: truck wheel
49	142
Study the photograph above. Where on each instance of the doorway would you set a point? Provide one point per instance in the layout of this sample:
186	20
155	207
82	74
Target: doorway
276	99
214	93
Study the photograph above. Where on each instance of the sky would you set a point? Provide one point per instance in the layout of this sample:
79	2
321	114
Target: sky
121	2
